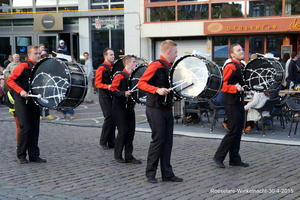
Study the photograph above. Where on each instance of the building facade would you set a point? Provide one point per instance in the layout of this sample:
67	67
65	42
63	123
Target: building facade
211	26
85	26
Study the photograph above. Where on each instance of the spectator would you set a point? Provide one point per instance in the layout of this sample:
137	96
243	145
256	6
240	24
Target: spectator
9	60
7	72
88	68
62	47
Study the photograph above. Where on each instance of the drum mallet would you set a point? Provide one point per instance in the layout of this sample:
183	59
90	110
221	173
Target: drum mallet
36	96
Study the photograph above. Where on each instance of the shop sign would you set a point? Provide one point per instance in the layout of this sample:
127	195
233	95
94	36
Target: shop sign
48	22
106	23
252	26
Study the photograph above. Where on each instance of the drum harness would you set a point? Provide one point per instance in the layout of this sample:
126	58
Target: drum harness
239	71
127	82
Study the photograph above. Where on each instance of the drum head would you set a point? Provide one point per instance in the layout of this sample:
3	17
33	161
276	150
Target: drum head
49	79
263	74
189	76
137	95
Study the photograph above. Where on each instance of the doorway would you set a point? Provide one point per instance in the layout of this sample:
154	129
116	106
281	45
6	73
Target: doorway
72	42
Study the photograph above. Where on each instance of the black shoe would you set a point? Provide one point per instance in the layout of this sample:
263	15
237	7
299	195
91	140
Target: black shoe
219	163
120	160
241	164
104	146
133	161
151	179
173	179
23	161
38	160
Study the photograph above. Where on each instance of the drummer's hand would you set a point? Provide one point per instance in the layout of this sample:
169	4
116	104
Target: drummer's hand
239	88
162	91
23	94
108	87
127	93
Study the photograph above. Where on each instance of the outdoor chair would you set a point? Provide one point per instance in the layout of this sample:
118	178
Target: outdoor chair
269	105
294	108
282	114
202	108
215	115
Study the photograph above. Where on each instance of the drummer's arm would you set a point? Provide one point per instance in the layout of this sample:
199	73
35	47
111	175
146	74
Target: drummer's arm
11	81
143	82
228	88
114	86
98	79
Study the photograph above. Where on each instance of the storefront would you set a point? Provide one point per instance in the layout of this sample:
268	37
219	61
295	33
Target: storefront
255	36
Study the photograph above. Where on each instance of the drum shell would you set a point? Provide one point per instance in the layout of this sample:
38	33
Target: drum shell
62	83
210	77
262	66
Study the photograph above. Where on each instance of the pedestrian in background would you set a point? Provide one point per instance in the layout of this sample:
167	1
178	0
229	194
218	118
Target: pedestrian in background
88	68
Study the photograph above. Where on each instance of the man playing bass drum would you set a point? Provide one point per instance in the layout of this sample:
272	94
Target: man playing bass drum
155	81
233	99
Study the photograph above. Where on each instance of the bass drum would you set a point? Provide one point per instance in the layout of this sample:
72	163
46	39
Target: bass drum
263	74
60	83
195	77
118	64
138	95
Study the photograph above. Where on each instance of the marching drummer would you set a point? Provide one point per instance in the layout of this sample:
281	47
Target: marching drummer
233	100
103	83
123	112
155	81
27	111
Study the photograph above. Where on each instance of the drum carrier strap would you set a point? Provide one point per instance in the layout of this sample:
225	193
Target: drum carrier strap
165	65
108	69
127	81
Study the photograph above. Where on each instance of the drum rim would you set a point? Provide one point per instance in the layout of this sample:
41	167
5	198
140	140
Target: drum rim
131	77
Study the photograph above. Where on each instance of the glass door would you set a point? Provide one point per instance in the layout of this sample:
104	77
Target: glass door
21	44
50	42
75	47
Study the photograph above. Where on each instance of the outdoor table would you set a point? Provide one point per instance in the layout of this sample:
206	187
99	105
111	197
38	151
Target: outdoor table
283	92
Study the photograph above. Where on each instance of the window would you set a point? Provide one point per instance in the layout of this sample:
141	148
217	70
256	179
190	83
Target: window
220	50
5	10
4	3
227	10
256	45
274	43
193	12
45	2
99	1
264	8
46	9
292	7
5	49
5	22
23	22
21	45
68	2
157	14
150	1
100	7
22	10
70	20
117	6
20	3
68	9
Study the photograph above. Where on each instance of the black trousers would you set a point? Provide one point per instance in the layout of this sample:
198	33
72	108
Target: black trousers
108	130
29	121
231	141
125	121
161	122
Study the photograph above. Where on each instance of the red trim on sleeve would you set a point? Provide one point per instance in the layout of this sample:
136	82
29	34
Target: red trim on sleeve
116	82
227	72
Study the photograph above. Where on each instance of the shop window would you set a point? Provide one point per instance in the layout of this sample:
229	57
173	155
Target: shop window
256	45
117	6
23	22
220	50
19	3
192	12
264	8
190	0
5	10
151	1
45	2
70	20
292	7
68	2
227	10
45	9
5	49
22	10
238	40
105	7
21	45
116	1
4	3
158	14
274	43
5	22
67	9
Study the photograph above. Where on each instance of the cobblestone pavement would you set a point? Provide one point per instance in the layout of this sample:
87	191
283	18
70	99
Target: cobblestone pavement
77	168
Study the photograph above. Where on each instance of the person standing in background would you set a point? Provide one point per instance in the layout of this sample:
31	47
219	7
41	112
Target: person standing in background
88	68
